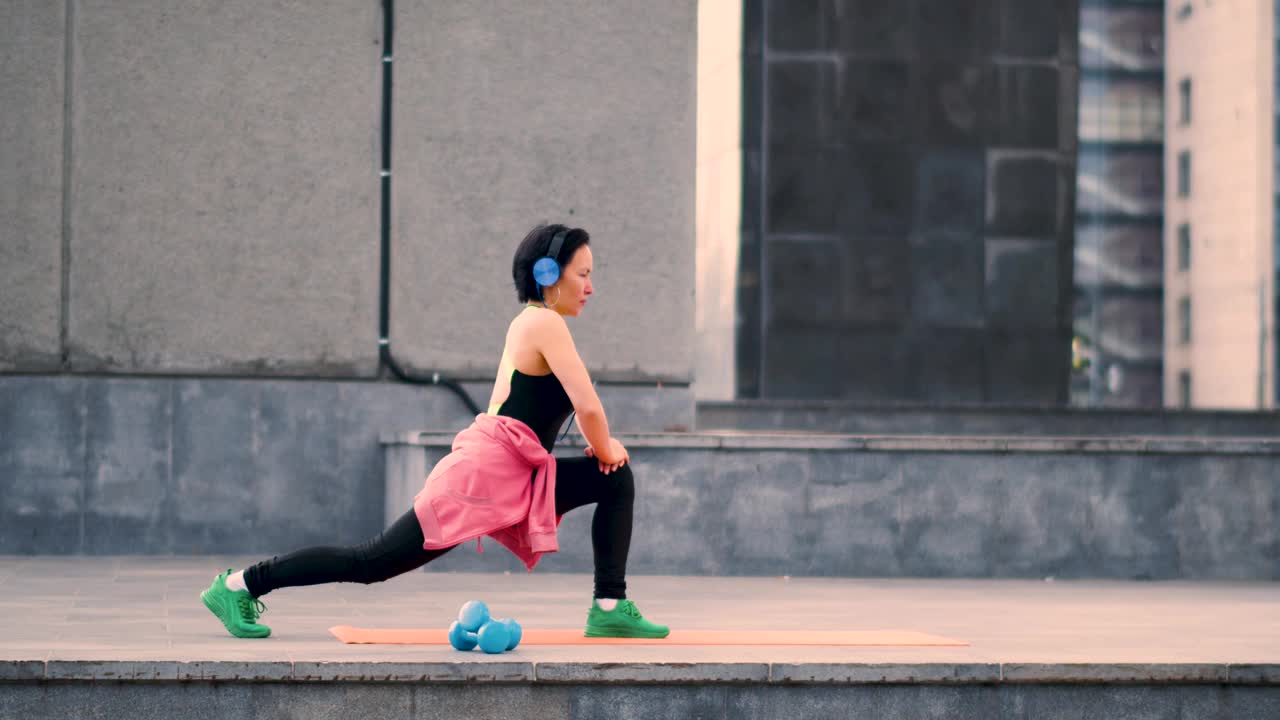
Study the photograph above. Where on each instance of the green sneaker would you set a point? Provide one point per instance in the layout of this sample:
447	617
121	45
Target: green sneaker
622	621
237	609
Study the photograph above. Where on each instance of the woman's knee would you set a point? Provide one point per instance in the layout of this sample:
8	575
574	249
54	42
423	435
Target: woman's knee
623	484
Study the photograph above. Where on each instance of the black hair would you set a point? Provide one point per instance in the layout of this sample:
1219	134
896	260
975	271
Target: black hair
534	247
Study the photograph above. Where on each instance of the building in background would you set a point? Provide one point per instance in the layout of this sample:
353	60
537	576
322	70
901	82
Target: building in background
1220	204
1119	271
907	222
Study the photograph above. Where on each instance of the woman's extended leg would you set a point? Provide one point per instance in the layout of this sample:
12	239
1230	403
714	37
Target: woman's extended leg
394	551
579	482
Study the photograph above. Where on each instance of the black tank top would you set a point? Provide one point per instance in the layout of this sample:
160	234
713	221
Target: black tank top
540	402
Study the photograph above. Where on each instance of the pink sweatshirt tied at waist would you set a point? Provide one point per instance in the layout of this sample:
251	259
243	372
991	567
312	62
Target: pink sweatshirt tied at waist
482	488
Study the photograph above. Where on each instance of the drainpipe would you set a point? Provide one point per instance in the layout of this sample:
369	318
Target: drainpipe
385	357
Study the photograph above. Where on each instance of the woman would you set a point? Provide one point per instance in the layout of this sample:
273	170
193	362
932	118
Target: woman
500	480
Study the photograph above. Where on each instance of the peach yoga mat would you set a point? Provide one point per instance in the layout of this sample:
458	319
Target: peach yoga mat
536	636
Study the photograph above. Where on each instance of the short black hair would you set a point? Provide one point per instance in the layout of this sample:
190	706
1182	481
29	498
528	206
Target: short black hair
534	247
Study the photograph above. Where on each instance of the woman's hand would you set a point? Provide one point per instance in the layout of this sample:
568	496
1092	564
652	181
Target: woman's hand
618	456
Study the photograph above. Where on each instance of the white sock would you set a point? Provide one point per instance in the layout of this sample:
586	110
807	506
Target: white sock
235	581
607	604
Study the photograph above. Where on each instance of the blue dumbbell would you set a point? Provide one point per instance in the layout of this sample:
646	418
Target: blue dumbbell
492	638
514	632
473	615
475	627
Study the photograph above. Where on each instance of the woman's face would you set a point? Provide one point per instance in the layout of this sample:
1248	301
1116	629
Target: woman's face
571	291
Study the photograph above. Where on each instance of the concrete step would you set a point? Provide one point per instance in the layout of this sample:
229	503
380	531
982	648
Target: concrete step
127	637
925	506
844	417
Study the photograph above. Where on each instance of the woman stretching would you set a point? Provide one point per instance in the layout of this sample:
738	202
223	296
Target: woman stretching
500	480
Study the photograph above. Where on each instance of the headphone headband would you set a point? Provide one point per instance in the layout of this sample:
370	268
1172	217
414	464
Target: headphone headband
556	242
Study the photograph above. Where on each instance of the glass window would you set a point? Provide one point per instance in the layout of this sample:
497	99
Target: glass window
1121	111
1184	389
1184	101
1129	38
1184	173
1184	246
1184	320
1121	181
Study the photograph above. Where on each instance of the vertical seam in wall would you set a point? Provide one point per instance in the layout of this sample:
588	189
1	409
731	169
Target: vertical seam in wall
82	410
65	288
169	506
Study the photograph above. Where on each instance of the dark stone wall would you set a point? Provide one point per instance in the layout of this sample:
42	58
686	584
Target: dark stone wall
908	200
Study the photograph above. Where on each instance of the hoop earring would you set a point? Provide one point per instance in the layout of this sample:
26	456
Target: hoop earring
557	302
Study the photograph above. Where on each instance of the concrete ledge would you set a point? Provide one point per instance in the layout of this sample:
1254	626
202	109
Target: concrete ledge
1144	673
653	672
607	673
899	443
849	674
428	672
1253	674
974	419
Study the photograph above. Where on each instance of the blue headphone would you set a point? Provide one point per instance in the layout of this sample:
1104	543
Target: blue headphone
546	271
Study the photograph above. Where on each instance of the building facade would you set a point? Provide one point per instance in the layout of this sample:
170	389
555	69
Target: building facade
1220	204
907	201
1119	272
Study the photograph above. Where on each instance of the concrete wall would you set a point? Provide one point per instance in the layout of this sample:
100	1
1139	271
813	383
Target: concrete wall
221	182
93	465
909	204
511	113
429	692
32	50
223	193
929	507
189	191
1227	50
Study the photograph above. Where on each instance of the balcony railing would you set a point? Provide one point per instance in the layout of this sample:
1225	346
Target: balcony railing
1134	120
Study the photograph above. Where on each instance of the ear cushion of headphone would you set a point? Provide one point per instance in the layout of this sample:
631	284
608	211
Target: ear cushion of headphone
546	272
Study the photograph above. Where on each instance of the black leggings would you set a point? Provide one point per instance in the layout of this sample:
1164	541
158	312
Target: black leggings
398	549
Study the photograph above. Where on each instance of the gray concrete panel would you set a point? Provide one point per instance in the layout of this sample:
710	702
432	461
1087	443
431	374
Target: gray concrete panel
971	702
1039	526
42	466
517	113
129	493
224	175
945	510
336	701
32	78
437	702
214	475
660	701
853	503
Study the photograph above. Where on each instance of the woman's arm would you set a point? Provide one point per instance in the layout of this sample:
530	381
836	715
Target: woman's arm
552	338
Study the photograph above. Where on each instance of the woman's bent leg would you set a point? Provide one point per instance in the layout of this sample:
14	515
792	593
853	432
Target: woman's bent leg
394	551
579	482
